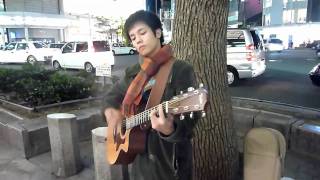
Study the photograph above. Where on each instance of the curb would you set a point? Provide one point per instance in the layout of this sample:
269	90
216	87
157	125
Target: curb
295	123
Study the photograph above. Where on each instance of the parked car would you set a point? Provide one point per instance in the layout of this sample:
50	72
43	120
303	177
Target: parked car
314	75
21	52
314	44
274	44
85	55
118	48
245	54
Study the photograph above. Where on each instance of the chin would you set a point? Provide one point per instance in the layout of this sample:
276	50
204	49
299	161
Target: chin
143	53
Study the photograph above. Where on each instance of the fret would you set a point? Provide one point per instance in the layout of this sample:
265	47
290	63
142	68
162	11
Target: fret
142	117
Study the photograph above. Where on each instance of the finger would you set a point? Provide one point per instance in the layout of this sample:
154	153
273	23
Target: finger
160	111
154	120
153	113
170	117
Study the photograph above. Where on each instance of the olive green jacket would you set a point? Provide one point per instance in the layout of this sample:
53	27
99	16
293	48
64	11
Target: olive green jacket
166	157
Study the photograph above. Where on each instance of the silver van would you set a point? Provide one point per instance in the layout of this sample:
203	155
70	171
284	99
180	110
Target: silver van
245	54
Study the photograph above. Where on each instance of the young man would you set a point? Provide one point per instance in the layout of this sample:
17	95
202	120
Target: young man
168	153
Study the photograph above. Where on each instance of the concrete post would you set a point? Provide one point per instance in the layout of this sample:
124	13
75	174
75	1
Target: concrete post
104	171
64	144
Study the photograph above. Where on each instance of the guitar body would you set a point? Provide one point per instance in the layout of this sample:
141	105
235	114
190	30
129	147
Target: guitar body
128	138
122	147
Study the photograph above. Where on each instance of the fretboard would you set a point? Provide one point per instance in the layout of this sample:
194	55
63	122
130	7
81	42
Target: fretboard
142	117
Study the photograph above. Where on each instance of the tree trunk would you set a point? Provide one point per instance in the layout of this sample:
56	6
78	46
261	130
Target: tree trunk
199	37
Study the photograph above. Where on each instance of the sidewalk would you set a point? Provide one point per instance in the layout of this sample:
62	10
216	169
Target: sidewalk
13	166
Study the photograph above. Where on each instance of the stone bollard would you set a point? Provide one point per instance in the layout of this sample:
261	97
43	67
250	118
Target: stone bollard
104	171
64	144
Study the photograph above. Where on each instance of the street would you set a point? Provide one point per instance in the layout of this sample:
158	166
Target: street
285	80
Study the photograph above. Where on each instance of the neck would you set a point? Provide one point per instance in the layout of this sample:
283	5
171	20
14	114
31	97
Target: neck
155	51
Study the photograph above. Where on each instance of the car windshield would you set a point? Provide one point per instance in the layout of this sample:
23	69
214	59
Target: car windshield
101	46
10	47
38	45
275	41
56	45
235	39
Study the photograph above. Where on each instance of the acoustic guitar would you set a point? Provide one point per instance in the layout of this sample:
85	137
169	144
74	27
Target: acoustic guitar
127	138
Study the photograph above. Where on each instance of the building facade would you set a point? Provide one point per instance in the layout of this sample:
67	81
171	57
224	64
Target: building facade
38	20
296	21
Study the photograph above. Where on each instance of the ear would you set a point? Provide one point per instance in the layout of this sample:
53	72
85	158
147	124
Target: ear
158	33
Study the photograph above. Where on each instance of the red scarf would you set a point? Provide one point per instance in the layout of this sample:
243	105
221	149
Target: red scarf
149	68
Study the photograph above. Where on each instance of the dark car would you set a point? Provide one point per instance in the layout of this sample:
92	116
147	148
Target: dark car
314	44
314	75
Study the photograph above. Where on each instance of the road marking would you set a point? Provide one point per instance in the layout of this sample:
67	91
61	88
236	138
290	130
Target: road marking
274	60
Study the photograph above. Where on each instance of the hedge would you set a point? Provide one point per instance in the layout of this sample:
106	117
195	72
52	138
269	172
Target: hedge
35	85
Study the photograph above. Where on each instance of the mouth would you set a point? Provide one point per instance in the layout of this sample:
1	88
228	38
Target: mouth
141	48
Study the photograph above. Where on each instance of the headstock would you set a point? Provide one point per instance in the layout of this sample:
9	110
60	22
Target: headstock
191	101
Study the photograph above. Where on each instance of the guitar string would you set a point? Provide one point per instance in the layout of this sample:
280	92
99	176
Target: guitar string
144	116
139	118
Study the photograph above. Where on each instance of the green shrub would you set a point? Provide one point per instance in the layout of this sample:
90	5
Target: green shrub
38	86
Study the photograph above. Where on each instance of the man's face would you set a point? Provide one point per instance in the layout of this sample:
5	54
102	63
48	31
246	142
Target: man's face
144	40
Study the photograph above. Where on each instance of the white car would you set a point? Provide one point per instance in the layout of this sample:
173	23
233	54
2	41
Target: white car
245	55
21	52
87	55
274	44
118	48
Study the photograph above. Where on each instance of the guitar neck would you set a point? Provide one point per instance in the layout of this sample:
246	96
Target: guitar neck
192	101
142	117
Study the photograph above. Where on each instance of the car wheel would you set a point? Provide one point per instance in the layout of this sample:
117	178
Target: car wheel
88	67
56	65
232	77
114	53
131	52
31	59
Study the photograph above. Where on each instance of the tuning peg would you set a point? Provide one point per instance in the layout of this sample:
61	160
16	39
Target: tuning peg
201	85
203	114
190	89
191	115
181	117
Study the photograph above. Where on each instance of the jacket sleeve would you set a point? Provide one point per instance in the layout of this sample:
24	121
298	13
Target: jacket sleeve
183	76
114	97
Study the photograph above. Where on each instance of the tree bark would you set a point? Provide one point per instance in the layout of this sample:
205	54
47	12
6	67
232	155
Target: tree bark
199	37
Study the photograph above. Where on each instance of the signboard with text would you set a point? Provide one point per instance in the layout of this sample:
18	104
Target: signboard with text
104	70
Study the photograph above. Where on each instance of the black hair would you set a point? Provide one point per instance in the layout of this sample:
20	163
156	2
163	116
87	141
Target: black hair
149	18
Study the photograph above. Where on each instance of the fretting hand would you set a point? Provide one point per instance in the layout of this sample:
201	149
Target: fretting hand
161	123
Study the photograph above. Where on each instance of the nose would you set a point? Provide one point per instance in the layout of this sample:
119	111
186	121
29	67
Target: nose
138	39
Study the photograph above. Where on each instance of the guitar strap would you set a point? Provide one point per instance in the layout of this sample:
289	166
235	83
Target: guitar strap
161	80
